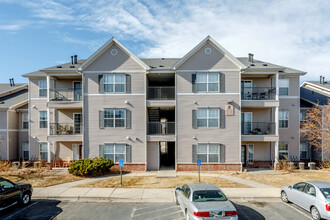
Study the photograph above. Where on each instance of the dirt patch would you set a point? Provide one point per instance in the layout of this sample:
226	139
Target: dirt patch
154	182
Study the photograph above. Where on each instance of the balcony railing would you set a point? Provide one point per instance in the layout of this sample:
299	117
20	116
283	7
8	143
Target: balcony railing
65	94
66	128
161	93
258	93
258	128
161	128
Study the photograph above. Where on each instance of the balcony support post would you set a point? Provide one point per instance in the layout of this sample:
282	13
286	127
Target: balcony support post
276	155
48	152
276	108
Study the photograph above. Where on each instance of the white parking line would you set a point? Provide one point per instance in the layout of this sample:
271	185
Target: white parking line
144	213
18	211
301	212
164	215
133	212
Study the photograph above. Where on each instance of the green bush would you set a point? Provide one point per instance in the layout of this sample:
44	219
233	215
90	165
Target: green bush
91	167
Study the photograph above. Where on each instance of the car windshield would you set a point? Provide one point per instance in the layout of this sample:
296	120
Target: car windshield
208	195
326	192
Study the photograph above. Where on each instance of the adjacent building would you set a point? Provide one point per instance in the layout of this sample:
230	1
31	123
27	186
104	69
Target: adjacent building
231	112
14	122
313	93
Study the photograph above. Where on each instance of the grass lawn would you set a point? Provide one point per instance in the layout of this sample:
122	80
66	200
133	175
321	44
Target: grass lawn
39	178
283	179
154	182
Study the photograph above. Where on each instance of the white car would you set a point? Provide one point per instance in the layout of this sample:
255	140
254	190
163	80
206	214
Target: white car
313	196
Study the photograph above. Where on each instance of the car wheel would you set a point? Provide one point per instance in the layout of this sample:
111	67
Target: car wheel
26	199
284	197
315	213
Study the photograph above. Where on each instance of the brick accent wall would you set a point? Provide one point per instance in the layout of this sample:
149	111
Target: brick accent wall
263	164
208	167
129	167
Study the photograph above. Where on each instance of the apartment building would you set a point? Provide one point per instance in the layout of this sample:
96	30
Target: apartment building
231	112
14	121
311	94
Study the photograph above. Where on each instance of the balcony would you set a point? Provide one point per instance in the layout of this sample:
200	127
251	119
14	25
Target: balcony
161	96
259	97
161	128
65	98
66	128
258	131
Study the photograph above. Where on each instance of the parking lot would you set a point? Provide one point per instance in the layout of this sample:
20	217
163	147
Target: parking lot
54	209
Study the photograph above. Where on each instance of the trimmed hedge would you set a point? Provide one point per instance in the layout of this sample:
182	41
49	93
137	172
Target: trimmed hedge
91	167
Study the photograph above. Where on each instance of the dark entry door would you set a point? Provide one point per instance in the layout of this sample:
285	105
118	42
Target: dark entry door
243	155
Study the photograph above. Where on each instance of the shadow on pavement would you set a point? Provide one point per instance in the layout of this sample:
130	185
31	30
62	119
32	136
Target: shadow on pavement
247	213
37	209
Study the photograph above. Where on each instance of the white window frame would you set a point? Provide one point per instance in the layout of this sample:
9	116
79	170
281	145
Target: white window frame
46	121
114	151
24	144
114	82
280	119
249	160
207	117
40	157
25	121
207	82
283	151
283	80
208	151
300	150
114	117
42	86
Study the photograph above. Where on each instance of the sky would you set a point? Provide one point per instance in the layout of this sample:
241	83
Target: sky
36	34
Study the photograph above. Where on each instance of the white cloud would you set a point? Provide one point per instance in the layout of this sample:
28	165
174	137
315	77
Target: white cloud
285	32
10	27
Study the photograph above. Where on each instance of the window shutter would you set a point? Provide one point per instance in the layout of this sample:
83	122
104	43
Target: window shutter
222	153
128	83
222	118
101	84
128	153
194	119
194	153
128	118
101	119
101	150
222	82
193	82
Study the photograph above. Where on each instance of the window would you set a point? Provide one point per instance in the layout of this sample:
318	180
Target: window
42	88
4	184
283	86
251	154
43	119
114	82
25	120
283	151
207	82
114	118
43	151
299	186
208	117
284	119
310	190
208	153
302	117
303	150
26	151
115	152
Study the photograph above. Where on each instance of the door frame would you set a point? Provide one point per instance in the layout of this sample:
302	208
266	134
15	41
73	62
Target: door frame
73	114
73	82
242	113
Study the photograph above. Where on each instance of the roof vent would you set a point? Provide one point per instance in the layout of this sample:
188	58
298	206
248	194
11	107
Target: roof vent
11	81
265	64
59	66
71	66
251	57
72	60
320	79
75	59
281	71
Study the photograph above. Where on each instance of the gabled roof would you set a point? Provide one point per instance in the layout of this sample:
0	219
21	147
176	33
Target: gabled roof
14	100
325	87
313	97
216	45
102	49
160	63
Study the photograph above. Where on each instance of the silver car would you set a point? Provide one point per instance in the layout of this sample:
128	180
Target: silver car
204	201
314	196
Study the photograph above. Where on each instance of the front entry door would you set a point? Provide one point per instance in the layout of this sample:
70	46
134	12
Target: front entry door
243	155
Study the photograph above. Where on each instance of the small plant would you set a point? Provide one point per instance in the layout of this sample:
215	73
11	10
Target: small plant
325	165
285	166
5	165
91	167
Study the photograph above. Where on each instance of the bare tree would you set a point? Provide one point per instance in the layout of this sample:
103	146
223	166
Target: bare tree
316	128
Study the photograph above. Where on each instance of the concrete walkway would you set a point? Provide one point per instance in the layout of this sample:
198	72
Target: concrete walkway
68	191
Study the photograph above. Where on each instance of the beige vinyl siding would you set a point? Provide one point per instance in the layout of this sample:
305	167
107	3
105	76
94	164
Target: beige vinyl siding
34	88
13	145
63	150
3	145
259	81
122	61
262	150
202	61
294	86
260	114
3	119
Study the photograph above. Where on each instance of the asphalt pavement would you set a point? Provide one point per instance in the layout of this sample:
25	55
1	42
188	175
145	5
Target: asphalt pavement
100	209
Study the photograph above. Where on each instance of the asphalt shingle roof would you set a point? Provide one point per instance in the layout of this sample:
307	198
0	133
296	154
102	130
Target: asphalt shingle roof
326	85
160	63
5	87
313	96
13	99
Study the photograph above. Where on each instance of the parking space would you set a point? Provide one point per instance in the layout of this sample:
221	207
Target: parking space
53	209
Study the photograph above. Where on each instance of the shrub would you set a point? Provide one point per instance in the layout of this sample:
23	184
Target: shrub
91	167
325	165
5	165
285	166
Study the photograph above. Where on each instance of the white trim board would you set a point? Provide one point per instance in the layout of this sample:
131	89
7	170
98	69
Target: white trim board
109	94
